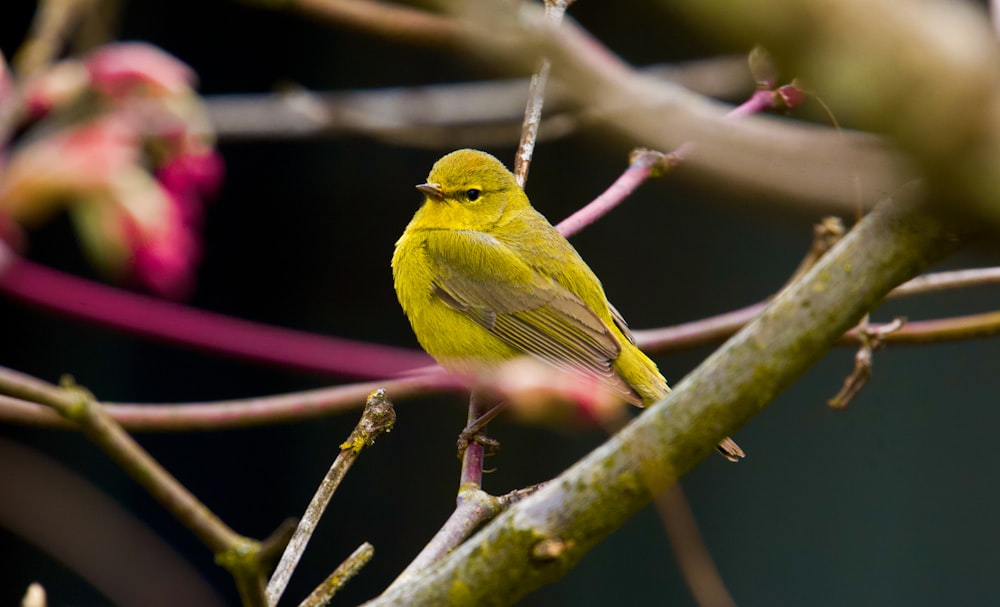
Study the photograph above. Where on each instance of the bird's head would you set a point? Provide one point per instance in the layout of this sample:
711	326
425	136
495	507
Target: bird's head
468	190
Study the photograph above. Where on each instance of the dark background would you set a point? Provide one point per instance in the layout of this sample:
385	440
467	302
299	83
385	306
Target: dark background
890	502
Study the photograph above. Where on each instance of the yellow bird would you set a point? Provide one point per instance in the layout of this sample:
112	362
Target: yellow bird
484	278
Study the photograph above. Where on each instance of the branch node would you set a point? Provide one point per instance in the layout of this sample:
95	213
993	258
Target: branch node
378	418
658	163
81	399
871	339
550	549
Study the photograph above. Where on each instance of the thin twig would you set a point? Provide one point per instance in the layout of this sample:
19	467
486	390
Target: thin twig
826	233
871	338
480	404
49	31
346	571
943	281
554	11
644	164
206	416
939	330
802	163
477	114
641	167
716	328
377	419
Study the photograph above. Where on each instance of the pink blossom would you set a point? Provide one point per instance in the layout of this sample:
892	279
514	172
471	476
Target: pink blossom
59	85
190	178
132	225
118	69
75	163
165	257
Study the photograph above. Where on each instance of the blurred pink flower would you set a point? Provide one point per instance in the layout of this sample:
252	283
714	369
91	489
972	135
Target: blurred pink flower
164	257
80	162
537	393
57	86
101	170
118	69
190	178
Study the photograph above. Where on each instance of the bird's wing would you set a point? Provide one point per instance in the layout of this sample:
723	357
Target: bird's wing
493	286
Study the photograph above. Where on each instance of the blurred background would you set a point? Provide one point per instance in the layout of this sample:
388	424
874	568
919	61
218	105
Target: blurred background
888	502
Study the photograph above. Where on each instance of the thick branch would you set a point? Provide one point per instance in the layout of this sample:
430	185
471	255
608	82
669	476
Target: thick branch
925	74
810	164
572	513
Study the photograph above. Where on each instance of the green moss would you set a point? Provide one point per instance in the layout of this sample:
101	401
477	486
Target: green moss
629	481
459	594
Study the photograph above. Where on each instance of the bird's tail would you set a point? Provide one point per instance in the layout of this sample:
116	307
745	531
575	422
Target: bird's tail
641	374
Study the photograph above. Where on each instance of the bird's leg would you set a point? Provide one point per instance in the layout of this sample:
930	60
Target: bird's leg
475	431
473	444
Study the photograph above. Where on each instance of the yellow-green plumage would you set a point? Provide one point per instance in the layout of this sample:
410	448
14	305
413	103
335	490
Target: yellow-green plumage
486	280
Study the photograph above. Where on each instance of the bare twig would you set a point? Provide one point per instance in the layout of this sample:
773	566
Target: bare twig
647	163
943	281
344	573
642	165
826	233
916	332
554	11
716	328
377	419
474	440
476	114
871	339
805	163
234	413
49	31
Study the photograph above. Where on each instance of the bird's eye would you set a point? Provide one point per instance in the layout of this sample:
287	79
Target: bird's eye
473	194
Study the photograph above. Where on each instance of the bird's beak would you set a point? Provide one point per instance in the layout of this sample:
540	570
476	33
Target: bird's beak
432	189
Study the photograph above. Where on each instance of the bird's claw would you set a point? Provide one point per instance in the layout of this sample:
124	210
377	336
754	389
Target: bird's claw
491	446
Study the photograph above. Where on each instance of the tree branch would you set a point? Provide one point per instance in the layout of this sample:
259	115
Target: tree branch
798	162
377	419
476	114
923	74
143	315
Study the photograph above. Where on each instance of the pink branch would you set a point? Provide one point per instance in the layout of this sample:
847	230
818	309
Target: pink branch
173	323
643	166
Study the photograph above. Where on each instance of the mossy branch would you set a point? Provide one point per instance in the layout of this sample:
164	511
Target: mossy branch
536	541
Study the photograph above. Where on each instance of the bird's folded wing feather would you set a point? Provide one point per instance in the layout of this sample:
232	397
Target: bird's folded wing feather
530	312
